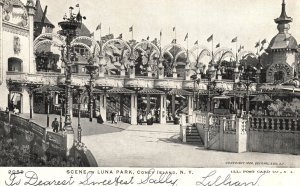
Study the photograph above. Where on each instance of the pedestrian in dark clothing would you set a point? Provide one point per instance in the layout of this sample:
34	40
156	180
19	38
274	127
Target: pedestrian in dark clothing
55	125
113	118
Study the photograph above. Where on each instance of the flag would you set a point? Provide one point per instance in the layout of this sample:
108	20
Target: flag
174	41
77	5
261	48
257	44
196	42
218	45
240	49
263	41
174	29
186	36
98	27
120	36
234	40
131	29
148	38
154	41
210	38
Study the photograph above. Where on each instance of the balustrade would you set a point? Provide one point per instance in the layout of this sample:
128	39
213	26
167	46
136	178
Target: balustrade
274	123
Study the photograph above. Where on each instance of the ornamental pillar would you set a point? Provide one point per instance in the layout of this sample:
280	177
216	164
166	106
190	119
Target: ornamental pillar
173	106
148	104
102	106
163	109
31	12
133	109
190	108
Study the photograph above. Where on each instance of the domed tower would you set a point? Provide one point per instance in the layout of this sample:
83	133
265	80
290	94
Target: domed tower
282	48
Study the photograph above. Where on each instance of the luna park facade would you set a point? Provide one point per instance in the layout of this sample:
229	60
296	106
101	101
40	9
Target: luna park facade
140	77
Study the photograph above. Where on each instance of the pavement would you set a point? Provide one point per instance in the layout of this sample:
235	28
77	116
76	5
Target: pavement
158	145
88	128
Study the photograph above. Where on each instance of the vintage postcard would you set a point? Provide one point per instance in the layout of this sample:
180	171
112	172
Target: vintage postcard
149	92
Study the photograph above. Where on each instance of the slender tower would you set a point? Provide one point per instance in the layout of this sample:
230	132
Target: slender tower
282	48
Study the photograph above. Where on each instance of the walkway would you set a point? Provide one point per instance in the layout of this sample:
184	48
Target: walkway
159	146
124	145
88	128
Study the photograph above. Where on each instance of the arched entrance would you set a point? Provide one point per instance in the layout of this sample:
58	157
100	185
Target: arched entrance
15	101
14	64
279	76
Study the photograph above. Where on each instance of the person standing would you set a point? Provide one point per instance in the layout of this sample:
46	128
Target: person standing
149	119
140	118
55	125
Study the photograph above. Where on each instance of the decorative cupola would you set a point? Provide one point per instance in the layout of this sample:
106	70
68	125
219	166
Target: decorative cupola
282	50
283	41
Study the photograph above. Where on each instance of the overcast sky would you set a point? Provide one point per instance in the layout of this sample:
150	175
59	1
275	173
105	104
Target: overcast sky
250	20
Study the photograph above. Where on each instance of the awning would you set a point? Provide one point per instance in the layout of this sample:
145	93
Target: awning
180	92
48	88
261	98
120	90
221	97
150	91
241	93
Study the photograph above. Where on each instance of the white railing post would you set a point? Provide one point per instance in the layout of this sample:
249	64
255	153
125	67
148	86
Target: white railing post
241	135
183	127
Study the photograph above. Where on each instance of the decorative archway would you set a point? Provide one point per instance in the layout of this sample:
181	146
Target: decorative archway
116	53
174	51
146	54
279	73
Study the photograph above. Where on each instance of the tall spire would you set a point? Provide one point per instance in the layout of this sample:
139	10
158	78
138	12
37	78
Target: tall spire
283	18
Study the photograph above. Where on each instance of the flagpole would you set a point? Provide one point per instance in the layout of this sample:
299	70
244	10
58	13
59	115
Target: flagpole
197	53
212	51
100	35
108	30
236	52
175	34
132	33
160	36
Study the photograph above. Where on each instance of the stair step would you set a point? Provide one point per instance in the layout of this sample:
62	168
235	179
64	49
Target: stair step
193	137
194	140
192	134
192	130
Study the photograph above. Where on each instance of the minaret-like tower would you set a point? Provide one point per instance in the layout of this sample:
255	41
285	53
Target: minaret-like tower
283	20
282	50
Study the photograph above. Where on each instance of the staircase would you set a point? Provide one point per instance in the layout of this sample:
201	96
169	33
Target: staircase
116	105
192	135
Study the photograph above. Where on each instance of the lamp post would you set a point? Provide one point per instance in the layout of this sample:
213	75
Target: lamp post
247	84
79	129
68	29
48	97
210	75
196	78
62	102
92	69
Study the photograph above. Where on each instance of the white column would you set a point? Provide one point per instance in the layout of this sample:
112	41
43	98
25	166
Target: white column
2	70
190	108
163	110
148	104
173	106
103	106
31	13
133	109
25	103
